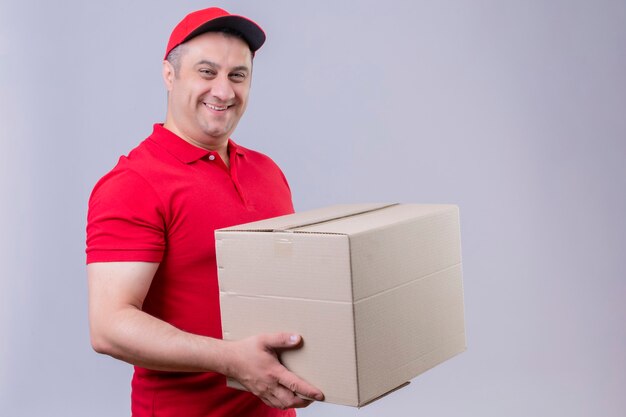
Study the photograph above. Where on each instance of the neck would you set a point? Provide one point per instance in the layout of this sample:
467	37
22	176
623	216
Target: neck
219	145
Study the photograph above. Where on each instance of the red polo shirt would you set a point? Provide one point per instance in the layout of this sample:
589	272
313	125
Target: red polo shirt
162	203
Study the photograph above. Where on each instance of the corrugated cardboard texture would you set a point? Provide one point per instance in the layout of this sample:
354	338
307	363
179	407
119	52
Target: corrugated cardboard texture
285	265
421	323
375	291
318	322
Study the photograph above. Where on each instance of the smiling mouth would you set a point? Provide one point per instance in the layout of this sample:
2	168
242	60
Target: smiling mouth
215	107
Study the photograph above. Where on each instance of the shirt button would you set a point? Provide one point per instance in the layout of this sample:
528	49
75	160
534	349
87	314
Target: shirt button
211	157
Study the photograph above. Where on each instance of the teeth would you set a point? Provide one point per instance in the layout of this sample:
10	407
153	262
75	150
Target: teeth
214	107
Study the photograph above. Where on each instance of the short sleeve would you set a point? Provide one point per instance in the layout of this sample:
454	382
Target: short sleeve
125	220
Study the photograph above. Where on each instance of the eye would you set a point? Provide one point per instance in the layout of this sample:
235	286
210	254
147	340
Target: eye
207	72
238	76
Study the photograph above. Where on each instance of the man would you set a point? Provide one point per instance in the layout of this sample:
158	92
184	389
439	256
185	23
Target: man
153	293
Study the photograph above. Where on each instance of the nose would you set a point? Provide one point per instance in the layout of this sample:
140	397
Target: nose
222	89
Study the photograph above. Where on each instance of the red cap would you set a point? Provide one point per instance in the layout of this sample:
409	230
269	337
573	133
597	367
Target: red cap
201	21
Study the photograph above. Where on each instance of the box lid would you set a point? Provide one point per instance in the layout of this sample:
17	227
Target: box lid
341	253
291	222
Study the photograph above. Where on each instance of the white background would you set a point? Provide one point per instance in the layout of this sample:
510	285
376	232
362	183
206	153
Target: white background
514	110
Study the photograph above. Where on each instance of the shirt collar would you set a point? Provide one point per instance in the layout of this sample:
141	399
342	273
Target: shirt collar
183	150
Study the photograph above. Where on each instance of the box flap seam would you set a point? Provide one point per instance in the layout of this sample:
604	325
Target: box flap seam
280	297
407	283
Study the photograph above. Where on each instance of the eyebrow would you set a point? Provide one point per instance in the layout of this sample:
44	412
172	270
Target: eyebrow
215	65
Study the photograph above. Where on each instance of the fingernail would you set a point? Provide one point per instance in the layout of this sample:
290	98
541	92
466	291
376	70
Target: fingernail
293	338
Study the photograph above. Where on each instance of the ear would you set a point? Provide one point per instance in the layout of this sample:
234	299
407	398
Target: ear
168	74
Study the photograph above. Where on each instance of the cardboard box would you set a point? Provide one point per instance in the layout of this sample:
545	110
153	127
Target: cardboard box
374	290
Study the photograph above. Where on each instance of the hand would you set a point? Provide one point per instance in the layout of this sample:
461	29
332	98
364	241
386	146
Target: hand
256	367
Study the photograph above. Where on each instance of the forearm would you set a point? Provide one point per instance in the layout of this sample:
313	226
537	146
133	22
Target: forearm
143	340
120	328
136	337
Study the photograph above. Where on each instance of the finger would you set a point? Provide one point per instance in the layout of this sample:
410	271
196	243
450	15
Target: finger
267	402
282	340
300	402
299	386
268	397
275	402
289	399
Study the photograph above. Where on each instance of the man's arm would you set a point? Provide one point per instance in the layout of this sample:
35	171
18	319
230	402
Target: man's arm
120	328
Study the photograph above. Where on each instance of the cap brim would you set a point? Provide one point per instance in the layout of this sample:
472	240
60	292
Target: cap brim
252	33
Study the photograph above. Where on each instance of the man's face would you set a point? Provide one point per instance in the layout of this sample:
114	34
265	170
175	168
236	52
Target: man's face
208	94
